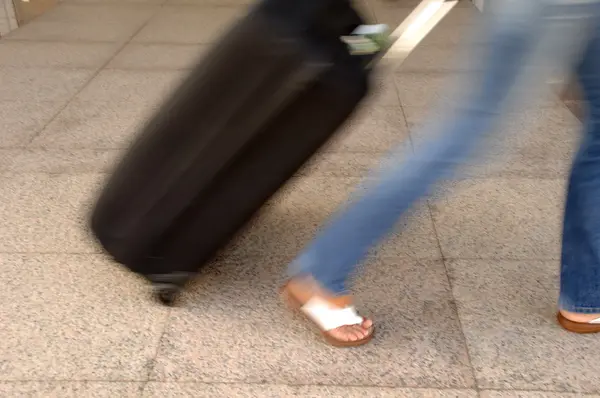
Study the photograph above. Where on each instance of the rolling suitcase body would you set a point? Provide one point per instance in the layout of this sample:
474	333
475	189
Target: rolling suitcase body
242	123
266	98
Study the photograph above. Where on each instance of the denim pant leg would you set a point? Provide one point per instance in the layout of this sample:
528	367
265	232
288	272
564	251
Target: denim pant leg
334	254
580	262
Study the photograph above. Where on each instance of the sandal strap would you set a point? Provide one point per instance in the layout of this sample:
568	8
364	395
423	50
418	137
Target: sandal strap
329	317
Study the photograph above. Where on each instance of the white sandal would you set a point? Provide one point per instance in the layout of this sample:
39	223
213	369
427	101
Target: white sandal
328	317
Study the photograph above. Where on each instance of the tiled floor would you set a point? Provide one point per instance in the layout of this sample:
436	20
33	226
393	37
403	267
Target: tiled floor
464	295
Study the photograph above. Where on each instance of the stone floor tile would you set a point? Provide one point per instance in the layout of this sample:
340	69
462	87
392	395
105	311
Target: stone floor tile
68	389
103	22
188	25
46	212
75	317
55	54
110	111
500	218
508	309
231	327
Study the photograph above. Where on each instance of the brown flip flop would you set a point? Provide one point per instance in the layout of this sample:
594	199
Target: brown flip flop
577	327
325	317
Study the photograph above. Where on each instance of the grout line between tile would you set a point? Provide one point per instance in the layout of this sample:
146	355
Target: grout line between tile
153	361
62	41
435	231
258	256
238	383
211	5
579	393
54	67
84	41
455	306
296	385
115	3
222	257
462	331
392	77
300	175
293	385
7	381
405	117
504	259
56	173
54	253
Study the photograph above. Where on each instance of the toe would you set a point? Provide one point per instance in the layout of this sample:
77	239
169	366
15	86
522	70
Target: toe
347	333
360	332
367	324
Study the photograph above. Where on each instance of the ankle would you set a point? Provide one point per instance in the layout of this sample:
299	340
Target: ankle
305	287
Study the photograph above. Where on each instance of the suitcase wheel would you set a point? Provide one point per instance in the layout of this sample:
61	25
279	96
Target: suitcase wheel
166	287
167	294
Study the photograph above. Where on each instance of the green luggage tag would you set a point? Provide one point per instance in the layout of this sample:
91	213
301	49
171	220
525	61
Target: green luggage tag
368	39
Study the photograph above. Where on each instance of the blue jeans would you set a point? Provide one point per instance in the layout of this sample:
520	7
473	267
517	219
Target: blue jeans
517	34
580	262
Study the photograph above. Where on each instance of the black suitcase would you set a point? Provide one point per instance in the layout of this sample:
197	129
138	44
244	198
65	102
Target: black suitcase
266	98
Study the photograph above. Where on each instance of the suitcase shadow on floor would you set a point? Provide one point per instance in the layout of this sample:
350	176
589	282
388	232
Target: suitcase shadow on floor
258	256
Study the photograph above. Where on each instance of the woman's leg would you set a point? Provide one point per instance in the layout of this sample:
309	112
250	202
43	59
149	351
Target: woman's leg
327	263
580	263
334	253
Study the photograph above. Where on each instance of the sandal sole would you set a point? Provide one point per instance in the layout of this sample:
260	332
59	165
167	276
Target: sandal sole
296	305
577	327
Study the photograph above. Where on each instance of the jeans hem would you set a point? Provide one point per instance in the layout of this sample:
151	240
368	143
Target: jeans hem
299	269
564	306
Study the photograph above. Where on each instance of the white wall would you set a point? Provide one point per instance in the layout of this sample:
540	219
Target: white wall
8	20
479	3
